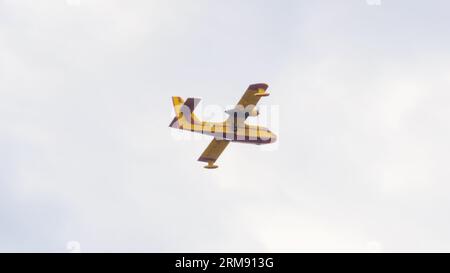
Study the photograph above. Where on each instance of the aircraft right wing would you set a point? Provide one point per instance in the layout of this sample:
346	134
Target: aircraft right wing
213	151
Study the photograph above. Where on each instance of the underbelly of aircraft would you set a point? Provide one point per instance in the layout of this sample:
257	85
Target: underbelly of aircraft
235	136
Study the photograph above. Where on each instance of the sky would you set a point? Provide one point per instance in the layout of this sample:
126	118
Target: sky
360	88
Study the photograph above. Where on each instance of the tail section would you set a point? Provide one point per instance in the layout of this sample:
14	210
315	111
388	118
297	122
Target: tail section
184	116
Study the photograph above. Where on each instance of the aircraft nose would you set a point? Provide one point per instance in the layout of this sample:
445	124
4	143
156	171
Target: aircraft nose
273	138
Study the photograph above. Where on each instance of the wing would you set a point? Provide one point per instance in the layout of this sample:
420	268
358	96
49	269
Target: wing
252	95
247	103
213	151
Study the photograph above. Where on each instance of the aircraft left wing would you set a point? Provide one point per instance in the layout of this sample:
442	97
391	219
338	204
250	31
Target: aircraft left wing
213	151
248	102
252	95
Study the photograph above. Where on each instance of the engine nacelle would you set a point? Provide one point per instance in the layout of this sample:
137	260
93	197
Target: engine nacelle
253	113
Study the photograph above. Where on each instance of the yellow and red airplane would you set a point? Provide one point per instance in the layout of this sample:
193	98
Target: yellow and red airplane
234	129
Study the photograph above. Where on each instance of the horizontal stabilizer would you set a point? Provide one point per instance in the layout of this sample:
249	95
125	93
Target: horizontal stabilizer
184	112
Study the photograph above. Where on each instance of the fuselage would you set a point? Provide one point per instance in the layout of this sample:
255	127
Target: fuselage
241	132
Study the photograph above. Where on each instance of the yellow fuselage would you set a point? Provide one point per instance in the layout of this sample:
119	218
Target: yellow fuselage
240	133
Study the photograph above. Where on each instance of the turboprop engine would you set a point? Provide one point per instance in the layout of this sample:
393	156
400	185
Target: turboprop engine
253	113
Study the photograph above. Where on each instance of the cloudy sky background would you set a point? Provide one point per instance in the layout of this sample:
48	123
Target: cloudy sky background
86	154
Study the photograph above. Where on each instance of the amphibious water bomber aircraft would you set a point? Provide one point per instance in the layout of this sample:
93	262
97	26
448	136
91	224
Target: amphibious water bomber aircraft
234	129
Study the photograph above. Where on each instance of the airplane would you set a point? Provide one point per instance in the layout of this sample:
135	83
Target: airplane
234	129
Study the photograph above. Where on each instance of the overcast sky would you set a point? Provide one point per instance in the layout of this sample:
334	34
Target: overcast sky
86	154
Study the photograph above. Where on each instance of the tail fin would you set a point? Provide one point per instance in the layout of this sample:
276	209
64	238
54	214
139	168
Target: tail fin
184	116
